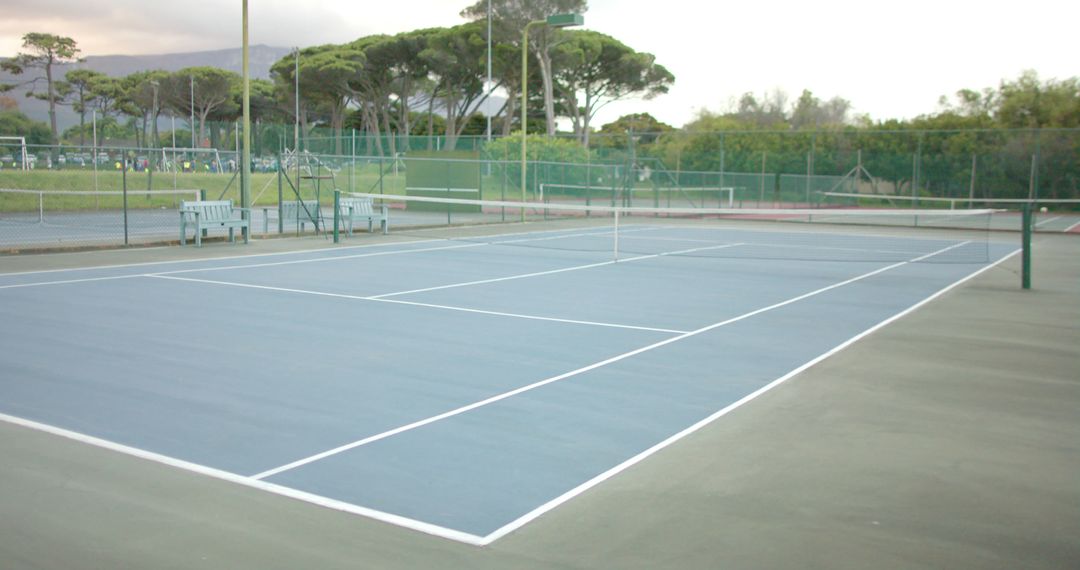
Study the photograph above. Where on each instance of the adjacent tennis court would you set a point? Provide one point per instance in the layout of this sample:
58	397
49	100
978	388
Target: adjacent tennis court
460	387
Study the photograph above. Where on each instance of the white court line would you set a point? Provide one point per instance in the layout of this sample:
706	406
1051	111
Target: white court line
224	267
67	281
322	259
258	255
499	397
241	266
202	259
398	520
492	280
1071	228
551	271
436	530
429	305
1047	221
576	491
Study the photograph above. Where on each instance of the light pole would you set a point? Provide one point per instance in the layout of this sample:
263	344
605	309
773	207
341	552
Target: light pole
153	131
191	78
296	101
555	21
245	168
487	86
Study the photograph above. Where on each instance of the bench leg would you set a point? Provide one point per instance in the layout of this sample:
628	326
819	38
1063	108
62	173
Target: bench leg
198	235
231	238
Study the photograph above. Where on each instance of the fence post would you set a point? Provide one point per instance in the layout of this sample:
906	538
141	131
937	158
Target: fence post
1025	240
337	214
280	192
971	188
124	179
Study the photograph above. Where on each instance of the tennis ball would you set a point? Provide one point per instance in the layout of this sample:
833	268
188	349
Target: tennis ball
1043	209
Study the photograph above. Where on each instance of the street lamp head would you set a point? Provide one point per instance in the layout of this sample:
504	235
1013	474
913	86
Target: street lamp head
565	20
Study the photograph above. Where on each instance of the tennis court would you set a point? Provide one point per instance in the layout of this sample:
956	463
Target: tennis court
459	387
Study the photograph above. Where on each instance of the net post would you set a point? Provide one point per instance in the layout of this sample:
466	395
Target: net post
1025	241
615	253
337	214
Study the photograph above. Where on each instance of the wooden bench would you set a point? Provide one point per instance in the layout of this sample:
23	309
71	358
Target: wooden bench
206	214
363	209
300	213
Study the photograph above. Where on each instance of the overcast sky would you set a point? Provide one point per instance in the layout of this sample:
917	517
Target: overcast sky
889	59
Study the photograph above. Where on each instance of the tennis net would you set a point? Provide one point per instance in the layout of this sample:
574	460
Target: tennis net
620	232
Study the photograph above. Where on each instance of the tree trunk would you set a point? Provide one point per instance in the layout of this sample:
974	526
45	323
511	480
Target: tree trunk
431	120
549	93
202	128
508	112
388	130
337	125
52	102
451	119
404	123
373	124
154	129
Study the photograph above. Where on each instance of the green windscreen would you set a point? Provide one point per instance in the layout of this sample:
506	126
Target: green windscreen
443	174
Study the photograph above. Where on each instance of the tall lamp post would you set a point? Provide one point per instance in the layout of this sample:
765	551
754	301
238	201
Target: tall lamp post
555	21
245	155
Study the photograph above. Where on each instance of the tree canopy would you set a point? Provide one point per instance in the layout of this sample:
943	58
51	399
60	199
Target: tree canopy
44	51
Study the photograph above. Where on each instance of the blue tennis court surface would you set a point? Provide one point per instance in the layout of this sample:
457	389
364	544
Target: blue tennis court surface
457	388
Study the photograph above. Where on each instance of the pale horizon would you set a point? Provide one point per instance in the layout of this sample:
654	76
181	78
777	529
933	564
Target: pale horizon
889	64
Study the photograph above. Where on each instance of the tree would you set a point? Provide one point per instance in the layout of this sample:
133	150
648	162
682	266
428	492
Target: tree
643	125
373	87
45	52
455	57
141	98
209	87
1029	103
509	20
14	122
596	69
405	72
324	75
810	113
769	113
106	92
330	70
80	81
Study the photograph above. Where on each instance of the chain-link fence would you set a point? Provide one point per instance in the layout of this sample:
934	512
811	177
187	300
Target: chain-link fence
683	169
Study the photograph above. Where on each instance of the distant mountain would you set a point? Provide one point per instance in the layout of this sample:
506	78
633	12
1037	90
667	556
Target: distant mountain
260	58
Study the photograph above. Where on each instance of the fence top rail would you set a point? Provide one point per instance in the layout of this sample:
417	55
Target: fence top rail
946	199
169	192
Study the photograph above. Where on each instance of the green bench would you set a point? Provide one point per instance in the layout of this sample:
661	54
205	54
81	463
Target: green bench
363	209
208	214
300	213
